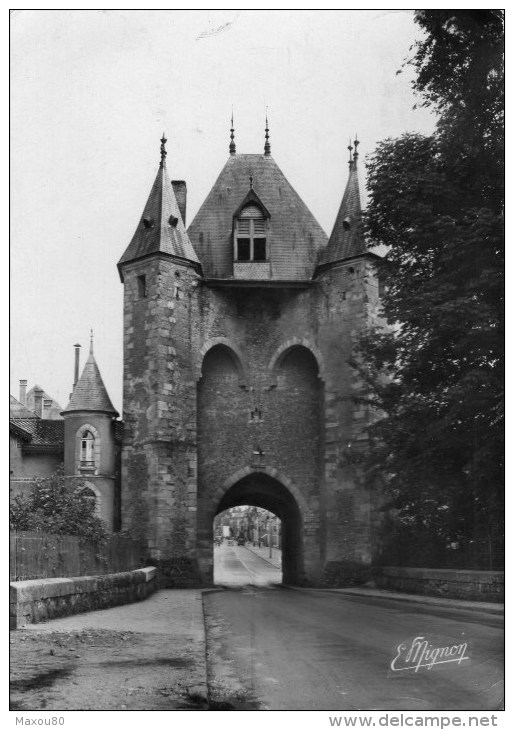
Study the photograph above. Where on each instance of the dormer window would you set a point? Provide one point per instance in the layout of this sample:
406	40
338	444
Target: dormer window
250	241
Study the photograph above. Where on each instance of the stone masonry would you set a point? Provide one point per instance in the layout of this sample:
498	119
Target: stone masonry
237	385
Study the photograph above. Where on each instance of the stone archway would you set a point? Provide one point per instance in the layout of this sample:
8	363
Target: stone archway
260	489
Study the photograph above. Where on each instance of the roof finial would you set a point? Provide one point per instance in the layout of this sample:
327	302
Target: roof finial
91	343
350	148
267	146
163	150
232	146
356	144
251	181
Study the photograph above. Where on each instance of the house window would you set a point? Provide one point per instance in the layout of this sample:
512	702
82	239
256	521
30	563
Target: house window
87	444
250	235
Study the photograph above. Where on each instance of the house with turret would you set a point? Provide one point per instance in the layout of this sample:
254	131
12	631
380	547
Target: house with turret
84	439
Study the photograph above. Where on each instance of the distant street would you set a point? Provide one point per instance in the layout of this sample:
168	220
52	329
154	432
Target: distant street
283	649
235	565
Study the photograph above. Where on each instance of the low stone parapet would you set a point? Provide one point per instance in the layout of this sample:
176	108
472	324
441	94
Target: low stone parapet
33	601
471	585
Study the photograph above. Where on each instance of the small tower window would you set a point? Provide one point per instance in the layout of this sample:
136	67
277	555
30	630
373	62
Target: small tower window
382	288
87	444
141	287
250	235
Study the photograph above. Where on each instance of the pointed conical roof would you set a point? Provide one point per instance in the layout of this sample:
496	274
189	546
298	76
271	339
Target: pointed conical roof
295	235
90	393
347	237
161	228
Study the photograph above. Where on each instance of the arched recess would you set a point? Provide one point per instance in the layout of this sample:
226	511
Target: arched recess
260	489
233	352
222	413
89	486
296	419
282	351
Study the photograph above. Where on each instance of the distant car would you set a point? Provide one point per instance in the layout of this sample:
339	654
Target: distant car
230	541
240	541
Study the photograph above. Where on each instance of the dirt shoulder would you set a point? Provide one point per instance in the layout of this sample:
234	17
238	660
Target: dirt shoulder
145	656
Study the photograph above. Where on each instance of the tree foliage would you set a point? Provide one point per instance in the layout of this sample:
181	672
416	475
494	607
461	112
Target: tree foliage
59	506
436	375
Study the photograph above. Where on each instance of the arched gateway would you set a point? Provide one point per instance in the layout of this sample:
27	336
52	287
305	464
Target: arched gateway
300	553
238	388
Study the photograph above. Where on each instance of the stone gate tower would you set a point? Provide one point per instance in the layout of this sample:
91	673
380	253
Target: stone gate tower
237	387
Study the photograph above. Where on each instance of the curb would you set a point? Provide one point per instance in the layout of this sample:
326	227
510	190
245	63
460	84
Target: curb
496	609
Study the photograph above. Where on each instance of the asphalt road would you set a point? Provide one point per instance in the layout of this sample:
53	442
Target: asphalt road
234	565
282	649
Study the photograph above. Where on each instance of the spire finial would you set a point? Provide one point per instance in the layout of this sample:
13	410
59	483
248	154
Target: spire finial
232	146
267	146
356	144
163	150
251	181
350	148
91	343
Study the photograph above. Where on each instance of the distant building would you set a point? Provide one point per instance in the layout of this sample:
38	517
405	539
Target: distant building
36	445
85	437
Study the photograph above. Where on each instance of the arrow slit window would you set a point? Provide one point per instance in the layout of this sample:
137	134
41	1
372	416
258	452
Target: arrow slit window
250	242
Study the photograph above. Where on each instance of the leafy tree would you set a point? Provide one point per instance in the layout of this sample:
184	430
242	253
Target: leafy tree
436	376
58	506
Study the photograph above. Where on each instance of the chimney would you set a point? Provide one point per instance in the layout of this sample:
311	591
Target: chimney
77	362
23	392
180	190
38	402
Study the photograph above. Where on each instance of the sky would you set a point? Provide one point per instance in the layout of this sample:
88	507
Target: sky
92	92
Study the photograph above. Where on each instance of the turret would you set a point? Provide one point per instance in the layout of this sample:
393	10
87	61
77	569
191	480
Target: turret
160	272
89	438
346	276
347	238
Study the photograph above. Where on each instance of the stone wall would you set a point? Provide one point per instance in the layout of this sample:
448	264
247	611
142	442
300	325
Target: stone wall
159	409
33	601
473	585
350	306
260	411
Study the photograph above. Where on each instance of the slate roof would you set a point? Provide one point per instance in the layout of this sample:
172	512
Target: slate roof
42	432
17	430
90	393
347	237
18	410
295	237
53	413
159	235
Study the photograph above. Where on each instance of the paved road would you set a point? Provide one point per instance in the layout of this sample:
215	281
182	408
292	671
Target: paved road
235	565
282	649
